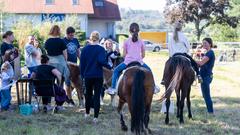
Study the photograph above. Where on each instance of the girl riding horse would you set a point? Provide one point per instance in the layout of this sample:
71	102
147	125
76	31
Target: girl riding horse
133	50
179	45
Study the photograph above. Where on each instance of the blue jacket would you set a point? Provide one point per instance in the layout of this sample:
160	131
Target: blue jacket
93	58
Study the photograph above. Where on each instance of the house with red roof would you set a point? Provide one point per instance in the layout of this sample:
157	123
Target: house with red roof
99	15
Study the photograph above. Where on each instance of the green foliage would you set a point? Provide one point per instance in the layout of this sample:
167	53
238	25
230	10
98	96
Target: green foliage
81	36
224	33
201	13
24	27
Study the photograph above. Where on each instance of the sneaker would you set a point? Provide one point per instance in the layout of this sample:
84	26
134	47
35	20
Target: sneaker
110	91
95	120
86	116
49	107
200	80
60	108
156	89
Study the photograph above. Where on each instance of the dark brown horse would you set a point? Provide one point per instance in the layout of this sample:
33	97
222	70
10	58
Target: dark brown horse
178	76
76	81
135	87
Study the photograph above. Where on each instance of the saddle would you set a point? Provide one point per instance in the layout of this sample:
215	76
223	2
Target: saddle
182	55
134	63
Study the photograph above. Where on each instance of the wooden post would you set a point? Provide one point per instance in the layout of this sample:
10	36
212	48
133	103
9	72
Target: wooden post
18	96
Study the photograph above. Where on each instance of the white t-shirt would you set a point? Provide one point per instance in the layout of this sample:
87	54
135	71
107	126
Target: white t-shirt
182	46
30	60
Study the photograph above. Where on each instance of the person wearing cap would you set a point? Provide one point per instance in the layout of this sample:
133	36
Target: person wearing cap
179	45
133	50
93	59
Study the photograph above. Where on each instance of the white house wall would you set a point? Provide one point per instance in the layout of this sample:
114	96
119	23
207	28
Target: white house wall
105	28
11	19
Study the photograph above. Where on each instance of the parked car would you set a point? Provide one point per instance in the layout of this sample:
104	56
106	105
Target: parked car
150	46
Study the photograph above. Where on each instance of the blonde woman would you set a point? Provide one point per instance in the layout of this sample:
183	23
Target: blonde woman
179	45
93	58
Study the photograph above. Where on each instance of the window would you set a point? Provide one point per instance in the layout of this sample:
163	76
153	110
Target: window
75	2
49	2
99	3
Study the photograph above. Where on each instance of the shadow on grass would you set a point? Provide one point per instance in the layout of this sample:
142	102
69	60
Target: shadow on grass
72	122
225	120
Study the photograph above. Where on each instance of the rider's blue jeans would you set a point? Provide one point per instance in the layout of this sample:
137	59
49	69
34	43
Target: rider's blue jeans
205	87
117	71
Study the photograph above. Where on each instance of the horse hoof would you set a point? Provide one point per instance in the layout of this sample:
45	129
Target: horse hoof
181	122
149	131
166	122
190	116
124	128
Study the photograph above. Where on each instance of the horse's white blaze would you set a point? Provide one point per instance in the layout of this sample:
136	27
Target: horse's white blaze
114	98
118	82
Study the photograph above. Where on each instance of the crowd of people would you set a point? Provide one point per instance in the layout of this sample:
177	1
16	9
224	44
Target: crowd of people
93	57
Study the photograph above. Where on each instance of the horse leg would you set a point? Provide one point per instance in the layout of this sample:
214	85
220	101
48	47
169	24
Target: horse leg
80	97
113	101
183	95
146	118
189	103
178	104
120	106
167	110
78	87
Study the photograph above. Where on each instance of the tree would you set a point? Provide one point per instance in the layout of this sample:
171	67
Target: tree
201	12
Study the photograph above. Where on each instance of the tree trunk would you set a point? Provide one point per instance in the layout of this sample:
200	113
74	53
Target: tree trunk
199	31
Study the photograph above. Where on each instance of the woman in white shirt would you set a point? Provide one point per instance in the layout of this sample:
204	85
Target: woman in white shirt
179	45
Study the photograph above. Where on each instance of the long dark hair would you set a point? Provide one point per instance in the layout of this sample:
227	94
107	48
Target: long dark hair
44	59
209	40
134	28
6	34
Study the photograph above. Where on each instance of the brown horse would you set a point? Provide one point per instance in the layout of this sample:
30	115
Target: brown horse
76	81
178	75
135	87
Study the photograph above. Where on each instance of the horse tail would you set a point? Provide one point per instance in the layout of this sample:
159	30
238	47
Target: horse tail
174	84
138	104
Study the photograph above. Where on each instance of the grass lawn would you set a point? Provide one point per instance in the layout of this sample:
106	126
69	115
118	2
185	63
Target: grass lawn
225	90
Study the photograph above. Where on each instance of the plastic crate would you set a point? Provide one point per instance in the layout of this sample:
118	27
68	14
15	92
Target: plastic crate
26	109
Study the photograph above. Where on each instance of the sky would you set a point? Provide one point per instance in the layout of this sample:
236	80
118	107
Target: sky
143	4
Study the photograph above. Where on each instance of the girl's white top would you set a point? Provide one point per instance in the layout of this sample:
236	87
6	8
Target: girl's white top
182	46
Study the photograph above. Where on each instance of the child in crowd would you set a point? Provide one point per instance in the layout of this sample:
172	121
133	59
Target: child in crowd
111	54
7	75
